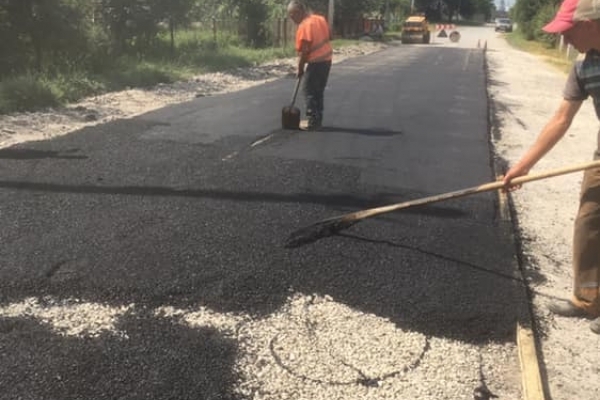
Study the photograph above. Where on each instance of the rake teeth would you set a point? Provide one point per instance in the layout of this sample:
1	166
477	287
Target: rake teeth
315	232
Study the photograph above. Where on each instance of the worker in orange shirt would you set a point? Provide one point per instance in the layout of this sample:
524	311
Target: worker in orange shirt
315	54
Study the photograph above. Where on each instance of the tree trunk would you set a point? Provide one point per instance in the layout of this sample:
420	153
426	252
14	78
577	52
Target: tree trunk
39	55
172	30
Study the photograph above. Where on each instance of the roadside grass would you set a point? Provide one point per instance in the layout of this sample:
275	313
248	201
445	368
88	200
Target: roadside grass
193	54
551	56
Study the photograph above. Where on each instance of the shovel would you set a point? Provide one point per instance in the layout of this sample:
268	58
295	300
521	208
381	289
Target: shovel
290	115
332	226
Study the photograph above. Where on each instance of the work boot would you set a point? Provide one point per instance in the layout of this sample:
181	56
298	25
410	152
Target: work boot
314	124
566	309
595	326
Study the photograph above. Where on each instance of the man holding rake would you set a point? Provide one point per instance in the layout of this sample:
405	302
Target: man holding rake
579	23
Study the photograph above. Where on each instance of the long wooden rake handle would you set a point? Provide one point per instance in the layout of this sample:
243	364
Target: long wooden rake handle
331	226
473	190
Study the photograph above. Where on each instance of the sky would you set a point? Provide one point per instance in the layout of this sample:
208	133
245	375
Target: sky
507	4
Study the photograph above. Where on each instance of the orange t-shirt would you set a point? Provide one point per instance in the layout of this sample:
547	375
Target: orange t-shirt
315	30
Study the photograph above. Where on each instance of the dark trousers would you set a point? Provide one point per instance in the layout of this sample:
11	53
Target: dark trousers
586	245
315	80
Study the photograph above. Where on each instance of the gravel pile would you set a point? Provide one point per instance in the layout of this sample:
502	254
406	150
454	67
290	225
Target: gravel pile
68	317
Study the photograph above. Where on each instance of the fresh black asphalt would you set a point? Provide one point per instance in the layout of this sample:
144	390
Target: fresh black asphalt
176	207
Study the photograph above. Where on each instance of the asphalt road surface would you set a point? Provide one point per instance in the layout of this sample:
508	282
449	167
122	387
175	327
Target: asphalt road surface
135	226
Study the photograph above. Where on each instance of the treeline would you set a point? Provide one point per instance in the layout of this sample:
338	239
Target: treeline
50	35
532	15
47	35
67	35
57	51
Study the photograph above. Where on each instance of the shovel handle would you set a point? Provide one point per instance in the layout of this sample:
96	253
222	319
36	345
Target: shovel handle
295	91
475	189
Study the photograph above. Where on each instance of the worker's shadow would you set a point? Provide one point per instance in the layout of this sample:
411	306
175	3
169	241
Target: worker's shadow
15	153
361	131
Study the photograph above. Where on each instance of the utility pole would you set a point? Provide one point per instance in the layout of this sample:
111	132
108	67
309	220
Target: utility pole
386	17
330	11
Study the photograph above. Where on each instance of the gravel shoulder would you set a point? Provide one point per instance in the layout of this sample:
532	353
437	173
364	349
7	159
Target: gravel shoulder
545	210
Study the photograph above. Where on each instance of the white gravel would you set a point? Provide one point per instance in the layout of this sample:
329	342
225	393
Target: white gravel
68	317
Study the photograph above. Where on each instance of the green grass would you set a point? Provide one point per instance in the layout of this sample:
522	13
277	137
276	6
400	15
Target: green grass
27	92
194	53
551	56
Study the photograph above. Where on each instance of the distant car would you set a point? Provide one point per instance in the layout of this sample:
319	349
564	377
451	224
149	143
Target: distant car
503	25
415	29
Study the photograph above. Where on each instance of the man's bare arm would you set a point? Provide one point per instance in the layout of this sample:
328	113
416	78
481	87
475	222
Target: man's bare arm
554	130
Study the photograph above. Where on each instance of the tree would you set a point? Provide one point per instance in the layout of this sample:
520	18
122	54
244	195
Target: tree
525	12
254	15
175	12
131	23
42	27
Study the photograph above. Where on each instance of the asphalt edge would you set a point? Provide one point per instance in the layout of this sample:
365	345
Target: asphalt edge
534	387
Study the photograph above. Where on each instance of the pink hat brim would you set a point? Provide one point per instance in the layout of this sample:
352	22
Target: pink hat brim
558	26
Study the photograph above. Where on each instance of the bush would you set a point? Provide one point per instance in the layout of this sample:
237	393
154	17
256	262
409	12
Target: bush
544	15
27	93
131	73
75	86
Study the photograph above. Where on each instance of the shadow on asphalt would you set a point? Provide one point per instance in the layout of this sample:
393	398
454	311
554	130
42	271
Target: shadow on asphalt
359	131
15	153
162	255
350	202
158	359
